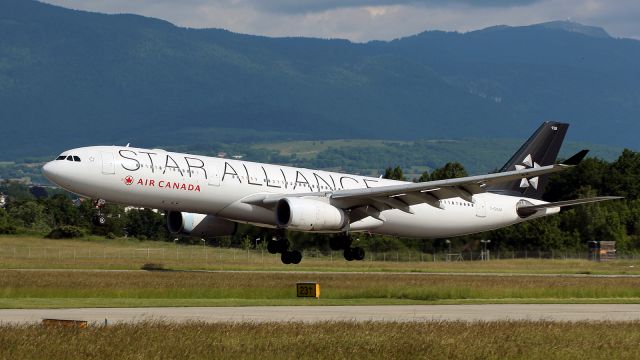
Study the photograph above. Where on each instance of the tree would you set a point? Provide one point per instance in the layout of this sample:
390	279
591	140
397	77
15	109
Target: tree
145	223
394	174
423	177
379	243
246	243
63	211
449	171
589	174
624	175
6	224
30	215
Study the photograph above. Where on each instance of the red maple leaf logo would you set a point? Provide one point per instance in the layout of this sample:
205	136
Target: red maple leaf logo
128	180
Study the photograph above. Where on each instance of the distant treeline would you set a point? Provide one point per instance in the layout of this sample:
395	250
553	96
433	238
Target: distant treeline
59	215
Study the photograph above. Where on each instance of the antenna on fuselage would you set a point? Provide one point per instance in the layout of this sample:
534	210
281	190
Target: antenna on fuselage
127	145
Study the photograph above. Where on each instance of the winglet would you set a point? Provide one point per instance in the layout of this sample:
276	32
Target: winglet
576	159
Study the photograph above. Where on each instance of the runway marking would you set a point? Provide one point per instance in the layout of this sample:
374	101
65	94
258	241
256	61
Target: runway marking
310	314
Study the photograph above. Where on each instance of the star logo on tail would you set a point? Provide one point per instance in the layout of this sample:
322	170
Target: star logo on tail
528	163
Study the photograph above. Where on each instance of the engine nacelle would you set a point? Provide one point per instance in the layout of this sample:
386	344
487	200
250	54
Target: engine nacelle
201	225
309	215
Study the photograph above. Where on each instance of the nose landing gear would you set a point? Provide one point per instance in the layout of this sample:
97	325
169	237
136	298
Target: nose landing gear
99	219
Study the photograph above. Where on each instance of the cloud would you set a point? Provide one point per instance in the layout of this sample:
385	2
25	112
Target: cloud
310	6
364	20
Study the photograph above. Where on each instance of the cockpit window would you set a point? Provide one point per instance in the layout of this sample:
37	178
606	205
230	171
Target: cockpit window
69	158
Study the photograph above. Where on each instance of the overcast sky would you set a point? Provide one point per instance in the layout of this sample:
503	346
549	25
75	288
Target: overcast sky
363	20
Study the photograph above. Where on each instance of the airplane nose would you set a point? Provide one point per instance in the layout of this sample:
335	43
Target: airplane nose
51	171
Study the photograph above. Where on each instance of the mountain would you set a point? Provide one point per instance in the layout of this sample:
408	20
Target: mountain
71	78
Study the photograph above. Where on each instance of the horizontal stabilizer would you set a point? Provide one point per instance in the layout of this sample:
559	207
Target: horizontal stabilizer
528	210
576	159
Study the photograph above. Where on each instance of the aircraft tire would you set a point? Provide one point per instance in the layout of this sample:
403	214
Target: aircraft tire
99	220
348	254
358	253
286	257
273	246
296	257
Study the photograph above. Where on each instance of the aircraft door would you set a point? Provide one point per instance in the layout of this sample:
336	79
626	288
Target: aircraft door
108	164
481	208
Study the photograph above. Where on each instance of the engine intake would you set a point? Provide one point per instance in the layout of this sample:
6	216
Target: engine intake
309	215
201	225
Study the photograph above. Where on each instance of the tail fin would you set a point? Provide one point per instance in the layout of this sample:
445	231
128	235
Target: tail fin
540	150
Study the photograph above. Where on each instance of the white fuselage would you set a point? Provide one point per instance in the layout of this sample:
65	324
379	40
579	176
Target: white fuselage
216	186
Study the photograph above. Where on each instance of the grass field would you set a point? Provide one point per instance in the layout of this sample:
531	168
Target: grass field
43	273
66	273
45	288
28	252
334	340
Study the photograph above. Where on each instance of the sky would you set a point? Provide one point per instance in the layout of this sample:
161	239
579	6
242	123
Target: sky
364	20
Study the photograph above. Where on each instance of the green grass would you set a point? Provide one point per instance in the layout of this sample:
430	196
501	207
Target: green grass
334	340
67	273
46	289
32	252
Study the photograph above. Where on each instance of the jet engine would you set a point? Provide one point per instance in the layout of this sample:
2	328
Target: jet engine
309	215
201	225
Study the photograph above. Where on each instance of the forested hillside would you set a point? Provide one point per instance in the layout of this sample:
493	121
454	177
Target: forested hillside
71	78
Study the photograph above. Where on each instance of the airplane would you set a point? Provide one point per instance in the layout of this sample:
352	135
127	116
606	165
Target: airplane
207	196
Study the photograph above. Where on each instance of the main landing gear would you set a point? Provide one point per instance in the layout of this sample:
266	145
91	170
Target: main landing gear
343	242
281	245
99	219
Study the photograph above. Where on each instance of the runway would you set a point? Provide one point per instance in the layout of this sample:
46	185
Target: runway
310	314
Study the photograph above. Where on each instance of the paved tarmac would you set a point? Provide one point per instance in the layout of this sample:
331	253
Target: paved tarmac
402	313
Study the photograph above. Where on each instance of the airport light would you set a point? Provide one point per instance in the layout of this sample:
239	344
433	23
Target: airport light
175	241
484	243
485	253
448	244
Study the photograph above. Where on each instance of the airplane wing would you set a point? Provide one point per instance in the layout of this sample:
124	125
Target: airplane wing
431	192
402	196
